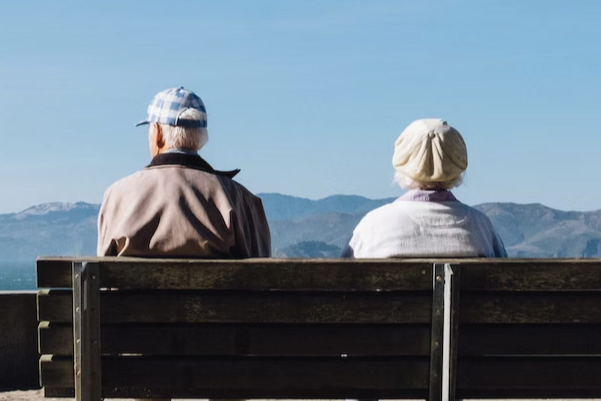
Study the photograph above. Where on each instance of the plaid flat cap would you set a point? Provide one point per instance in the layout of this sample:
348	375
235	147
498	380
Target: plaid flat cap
168	105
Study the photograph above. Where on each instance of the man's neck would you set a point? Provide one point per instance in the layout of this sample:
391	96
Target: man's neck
181	150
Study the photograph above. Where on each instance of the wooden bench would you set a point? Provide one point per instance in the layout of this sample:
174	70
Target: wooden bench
267	328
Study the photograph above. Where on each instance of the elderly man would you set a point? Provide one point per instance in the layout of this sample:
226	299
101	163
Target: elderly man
178	205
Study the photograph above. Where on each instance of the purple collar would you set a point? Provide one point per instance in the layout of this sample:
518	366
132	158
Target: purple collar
422	195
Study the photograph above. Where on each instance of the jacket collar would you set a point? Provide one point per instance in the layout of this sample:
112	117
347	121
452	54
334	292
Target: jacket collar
422	195
190	161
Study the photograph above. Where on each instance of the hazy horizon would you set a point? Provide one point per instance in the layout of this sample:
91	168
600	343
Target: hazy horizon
22	209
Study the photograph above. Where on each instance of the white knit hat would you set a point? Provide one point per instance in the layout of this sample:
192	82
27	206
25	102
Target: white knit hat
430	150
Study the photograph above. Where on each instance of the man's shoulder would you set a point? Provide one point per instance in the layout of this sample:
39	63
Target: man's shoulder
236	189
126	182
150	174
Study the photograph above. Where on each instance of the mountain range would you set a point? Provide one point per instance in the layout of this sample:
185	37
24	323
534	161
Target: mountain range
307	228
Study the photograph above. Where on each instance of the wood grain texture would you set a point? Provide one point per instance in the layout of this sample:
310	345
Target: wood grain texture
54	272
249	339
55	305
523	324
530	339
530	307
513	377
331	274
55	339
435	391
248	274
59	392
86	331
530	373
245	307
281	307
225	339
454	327
531	275
252	377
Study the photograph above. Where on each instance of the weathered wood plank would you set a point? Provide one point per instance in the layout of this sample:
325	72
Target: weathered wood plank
443	359
511	377
530	307
539	393
59	392
86	331
529	373
54	272
264	393
543	339
435	391
55	339
248	274
54	370
54	305
252	377
224	339
280	307
454	306
545	307
532	275
249	307
389	339
360	275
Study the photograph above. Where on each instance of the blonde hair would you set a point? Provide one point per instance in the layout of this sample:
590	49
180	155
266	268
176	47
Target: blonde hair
186	137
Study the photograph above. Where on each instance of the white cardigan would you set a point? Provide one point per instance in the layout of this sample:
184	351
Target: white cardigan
415	226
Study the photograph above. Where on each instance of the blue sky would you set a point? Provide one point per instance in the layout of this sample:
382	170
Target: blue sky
306	97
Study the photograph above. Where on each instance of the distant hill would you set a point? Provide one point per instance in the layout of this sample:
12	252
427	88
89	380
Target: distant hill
285	207
309	249
535	230
306	228
48	229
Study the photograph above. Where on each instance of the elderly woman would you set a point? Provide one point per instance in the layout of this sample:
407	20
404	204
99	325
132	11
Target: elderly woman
428	221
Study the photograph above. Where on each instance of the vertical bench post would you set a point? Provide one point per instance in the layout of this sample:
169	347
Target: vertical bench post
86	331
443	346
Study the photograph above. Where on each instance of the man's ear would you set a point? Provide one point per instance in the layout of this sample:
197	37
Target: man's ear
158	138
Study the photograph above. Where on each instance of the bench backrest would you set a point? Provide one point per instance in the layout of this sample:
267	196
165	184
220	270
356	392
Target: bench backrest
322	328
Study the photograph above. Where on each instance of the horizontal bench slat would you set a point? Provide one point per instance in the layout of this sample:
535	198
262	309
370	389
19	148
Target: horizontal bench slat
202	378
216	339
59	392
302	307
252	307
267	377
390	339
518	339
249	274
324	274
527	275
530	307
553	393
529	373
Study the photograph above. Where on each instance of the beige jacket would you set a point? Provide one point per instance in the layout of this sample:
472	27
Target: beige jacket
180	207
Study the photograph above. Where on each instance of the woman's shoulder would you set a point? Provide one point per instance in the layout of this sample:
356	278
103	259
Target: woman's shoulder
387	213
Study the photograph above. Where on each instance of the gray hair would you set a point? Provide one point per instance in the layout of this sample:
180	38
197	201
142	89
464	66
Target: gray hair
183	137
409	183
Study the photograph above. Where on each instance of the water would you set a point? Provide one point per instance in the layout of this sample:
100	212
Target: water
17	276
